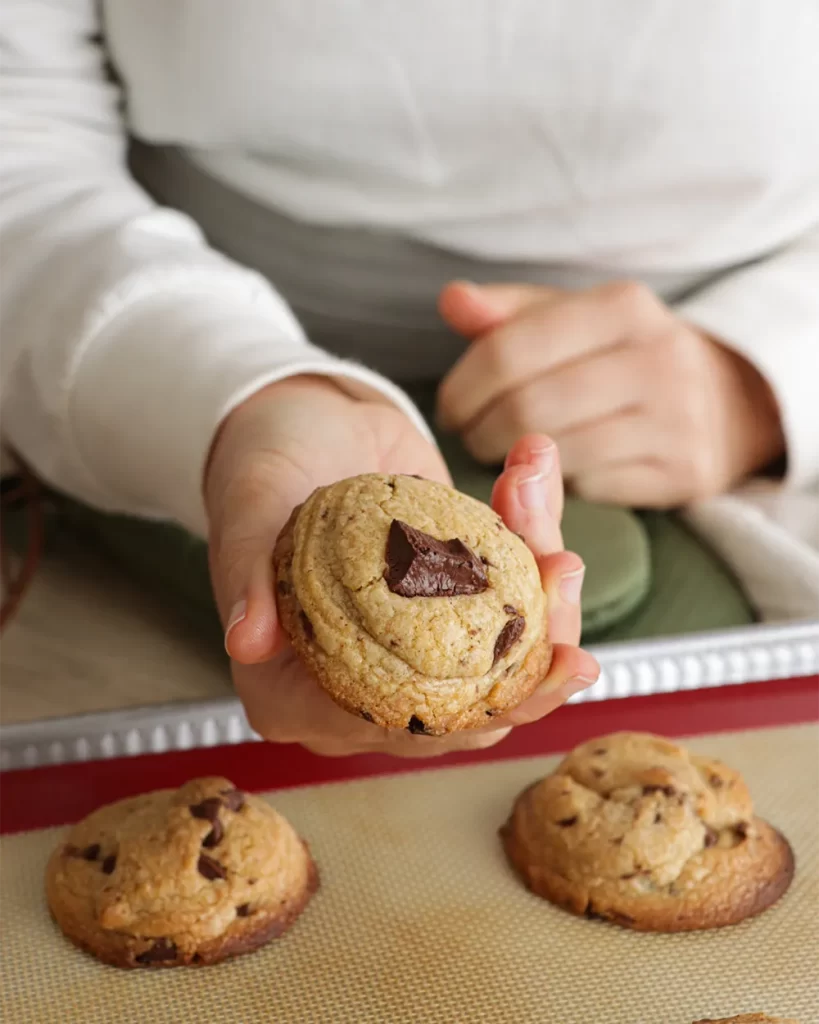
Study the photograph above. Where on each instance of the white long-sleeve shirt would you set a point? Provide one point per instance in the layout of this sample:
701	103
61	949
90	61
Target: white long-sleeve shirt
638	138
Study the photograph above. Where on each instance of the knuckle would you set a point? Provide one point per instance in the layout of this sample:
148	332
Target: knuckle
498	357
699	473
634	298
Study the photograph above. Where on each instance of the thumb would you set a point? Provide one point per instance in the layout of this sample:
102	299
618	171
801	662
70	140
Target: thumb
241	562
472	309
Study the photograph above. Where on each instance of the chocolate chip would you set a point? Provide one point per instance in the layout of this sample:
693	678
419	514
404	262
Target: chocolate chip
162	949
418	565
215	836
366	716
208	809
109	864
592	914
715	781
508	637
492	712
667	790
325	512
567	822
91	852
510	610
711	837
741	830
416	726
210	868
599	752
306	625
233	799
283	587
658	818
243	910
625	878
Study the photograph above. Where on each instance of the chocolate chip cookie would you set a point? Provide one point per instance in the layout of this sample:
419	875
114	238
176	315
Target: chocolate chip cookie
413	604
176	877
633	829
750	1018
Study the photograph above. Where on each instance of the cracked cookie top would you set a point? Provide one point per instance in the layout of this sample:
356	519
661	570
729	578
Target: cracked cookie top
634	829
182	876
410	599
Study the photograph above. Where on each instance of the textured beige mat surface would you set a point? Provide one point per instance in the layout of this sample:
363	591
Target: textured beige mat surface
420	921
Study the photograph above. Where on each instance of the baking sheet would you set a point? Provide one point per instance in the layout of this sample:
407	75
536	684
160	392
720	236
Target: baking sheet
629	669
420	920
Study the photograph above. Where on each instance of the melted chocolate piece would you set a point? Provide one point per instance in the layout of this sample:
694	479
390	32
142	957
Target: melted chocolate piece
243	910
421	566
109	864
711	837
162	949
568	822
233	799
307	626
210	868
91	852
508	636
214	837
666	790
208	809
416	726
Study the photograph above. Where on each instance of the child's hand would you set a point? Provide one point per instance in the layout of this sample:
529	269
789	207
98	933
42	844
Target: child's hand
646	410
271	453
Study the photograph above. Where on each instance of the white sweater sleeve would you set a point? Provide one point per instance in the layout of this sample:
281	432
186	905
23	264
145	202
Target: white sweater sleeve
768	311
126	340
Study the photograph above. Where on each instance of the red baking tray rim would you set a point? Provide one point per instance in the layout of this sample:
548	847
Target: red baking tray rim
56	794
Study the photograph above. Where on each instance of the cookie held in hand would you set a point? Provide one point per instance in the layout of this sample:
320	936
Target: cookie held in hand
633	829
413	605
177	877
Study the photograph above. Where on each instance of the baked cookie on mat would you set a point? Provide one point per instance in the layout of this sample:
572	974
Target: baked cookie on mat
179	876
750	1018
413	604
633	829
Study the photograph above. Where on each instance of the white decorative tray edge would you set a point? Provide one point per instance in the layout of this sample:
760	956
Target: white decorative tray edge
638	668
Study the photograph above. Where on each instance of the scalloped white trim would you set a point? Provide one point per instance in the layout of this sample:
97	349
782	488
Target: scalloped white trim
751	654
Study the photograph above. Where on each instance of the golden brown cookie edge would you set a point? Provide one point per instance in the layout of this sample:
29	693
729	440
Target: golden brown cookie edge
505	695
118	949
665	913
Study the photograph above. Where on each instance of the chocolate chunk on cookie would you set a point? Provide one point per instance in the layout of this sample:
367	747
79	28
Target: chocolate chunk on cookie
161	891
418	565
634	830
425	613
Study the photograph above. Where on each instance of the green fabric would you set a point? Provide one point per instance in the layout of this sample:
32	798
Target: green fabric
646	573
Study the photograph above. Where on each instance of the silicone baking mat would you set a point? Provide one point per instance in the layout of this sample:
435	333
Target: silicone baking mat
420	920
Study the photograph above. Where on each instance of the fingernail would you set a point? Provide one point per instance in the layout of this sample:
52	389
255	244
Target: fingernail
543	459
571	584
238	613
532	492
578	683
